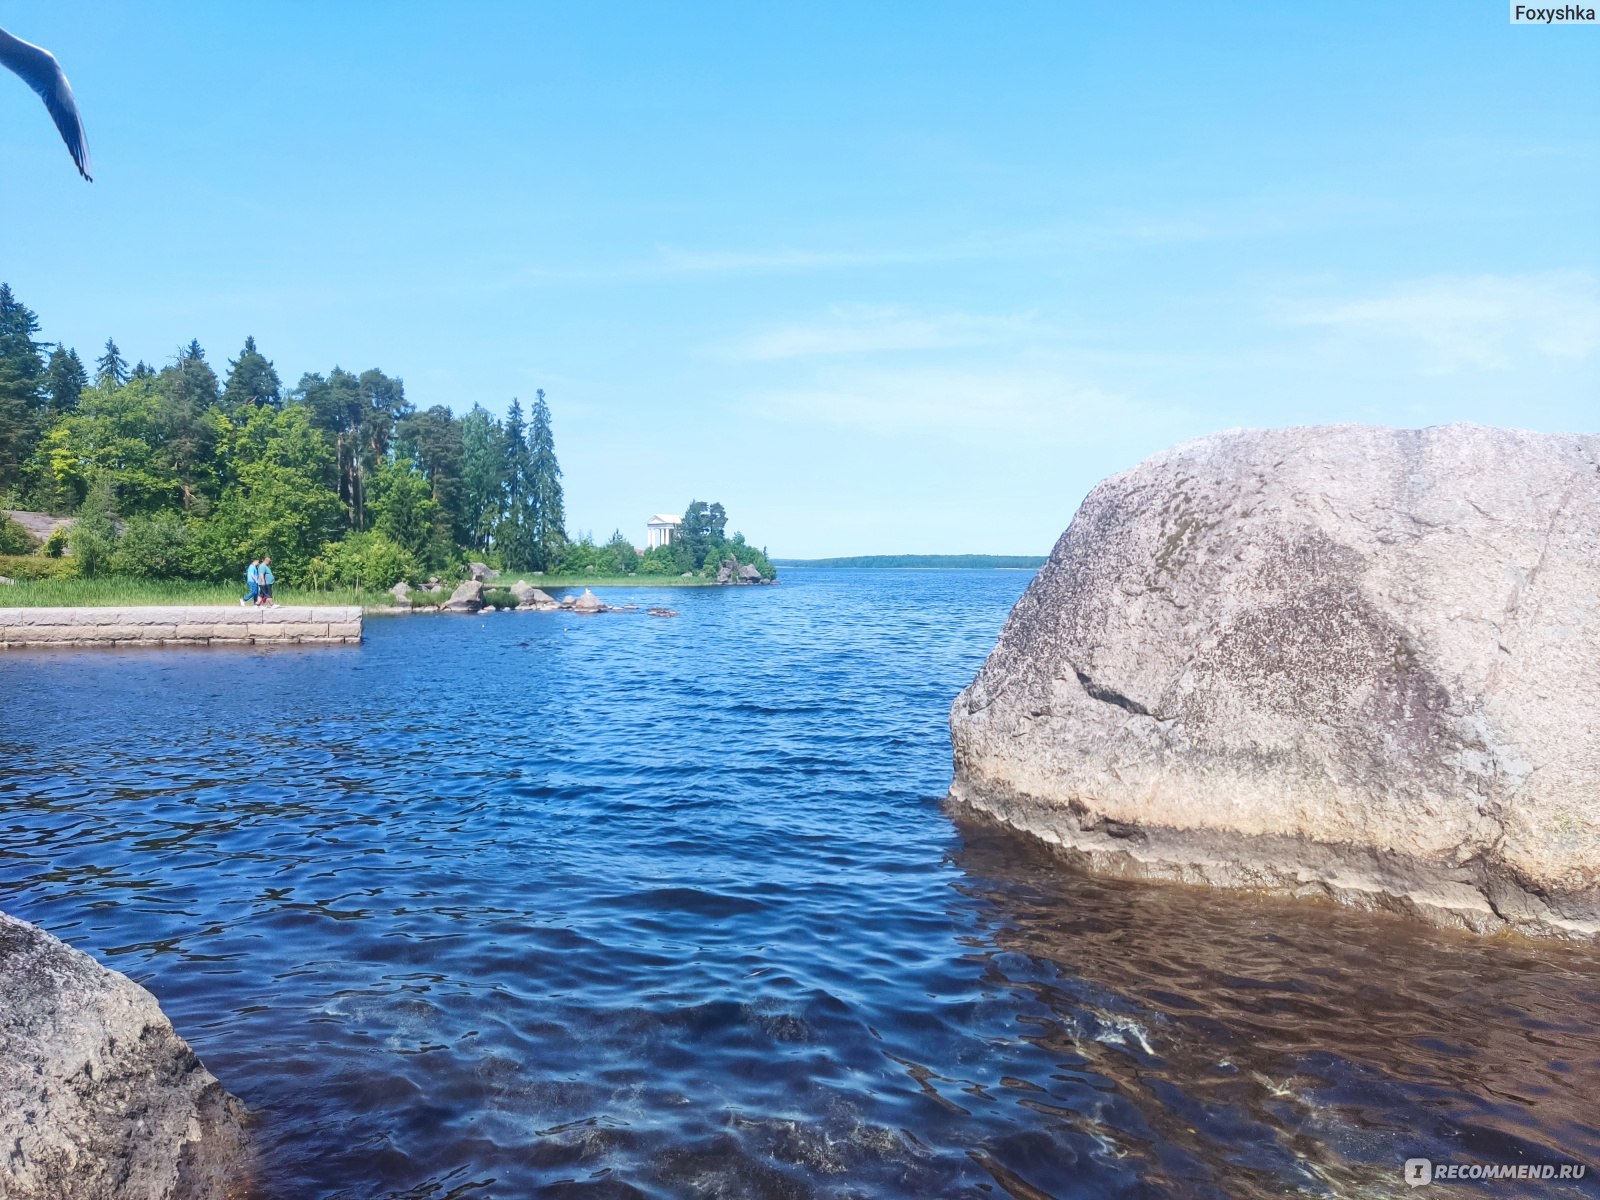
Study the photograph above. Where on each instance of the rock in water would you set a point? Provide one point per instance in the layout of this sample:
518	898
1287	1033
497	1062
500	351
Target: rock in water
99	1097
467	598
530	598
588	603
1344	661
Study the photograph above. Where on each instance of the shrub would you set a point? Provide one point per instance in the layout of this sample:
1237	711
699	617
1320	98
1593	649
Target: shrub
363	559
151	548
14	539
37	566
56	544
500	598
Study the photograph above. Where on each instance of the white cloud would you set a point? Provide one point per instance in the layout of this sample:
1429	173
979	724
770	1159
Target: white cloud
1474	322
864	329
972	403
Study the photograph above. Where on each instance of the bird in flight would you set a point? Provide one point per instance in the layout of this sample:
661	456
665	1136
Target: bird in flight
40	71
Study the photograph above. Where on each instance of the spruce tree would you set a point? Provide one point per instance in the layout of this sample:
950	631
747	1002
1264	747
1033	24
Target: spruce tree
548	536
252	381
483	477
514	537
111	368
64	380
21	386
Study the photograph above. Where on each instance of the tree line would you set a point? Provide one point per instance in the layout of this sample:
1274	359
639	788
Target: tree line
179	473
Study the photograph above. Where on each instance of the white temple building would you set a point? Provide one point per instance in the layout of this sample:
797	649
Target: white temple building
660	529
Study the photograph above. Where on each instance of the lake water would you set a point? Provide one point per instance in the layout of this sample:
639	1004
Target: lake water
540	904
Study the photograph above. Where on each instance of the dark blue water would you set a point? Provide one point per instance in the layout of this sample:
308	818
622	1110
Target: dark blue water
542	904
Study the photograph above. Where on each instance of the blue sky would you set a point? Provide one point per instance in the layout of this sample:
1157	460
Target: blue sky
899	277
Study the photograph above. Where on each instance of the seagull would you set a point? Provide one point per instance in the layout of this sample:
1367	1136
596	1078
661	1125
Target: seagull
40	71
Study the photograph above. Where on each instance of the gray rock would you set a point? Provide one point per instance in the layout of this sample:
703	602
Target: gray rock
749	574
1344	661
588	603
99	1098
725	571
467	598
530	598
482	572
401	592
662	612
6	581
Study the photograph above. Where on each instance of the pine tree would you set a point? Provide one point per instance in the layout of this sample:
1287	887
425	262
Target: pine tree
111	368
548	535
252	380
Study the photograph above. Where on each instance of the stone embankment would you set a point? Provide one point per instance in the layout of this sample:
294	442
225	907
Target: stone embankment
99	1096
1349	662
186	626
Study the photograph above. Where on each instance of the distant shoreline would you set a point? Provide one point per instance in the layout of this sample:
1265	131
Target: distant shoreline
1028	562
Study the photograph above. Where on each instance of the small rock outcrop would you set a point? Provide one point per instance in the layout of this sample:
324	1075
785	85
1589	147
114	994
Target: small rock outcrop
1345	661
467	598
482	572
401	592
99	1097
661	612
588	603
530	598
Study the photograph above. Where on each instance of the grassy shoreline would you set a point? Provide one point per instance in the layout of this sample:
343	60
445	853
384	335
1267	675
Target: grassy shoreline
116	592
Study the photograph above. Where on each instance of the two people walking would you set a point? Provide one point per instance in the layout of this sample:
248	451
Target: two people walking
258	577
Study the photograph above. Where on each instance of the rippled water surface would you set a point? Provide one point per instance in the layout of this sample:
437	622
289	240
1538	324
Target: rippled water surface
539	904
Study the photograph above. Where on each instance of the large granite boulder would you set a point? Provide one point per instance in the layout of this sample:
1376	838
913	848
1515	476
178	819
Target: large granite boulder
467	598
1344	661
588	603
482	572
99	1098
401	593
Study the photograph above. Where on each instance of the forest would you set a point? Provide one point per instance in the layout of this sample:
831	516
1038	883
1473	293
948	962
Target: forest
178	473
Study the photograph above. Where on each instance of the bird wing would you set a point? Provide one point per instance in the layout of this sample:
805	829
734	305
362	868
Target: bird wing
40	71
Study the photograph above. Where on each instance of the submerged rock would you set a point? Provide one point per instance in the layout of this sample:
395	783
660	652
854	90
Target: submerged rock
99	1097
1343	661
467	598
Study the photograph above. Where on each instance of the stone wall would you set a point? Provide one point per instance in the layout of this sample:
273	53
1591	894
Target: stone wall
190	625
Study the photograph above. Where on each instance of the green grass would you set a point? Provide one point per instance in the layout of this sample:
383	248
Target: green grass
112	592
115	592
507	578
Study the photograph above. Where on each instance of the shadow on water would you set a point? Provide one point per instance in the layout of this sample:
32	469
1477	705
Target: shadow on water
544	905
